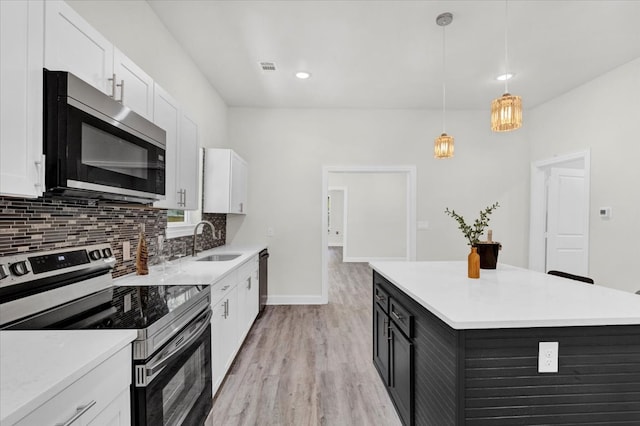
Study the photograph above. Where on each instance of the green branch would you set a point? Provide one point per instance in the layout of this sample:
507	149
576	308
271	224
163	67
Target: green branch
473	233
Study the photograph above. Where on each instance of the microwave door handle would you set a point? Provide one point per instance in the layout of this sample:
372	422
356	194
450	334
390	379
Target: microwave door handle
153	369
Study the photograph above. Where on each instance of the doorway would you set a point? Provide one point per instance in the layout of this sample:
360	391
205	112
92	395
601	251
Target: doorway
353	222
559	225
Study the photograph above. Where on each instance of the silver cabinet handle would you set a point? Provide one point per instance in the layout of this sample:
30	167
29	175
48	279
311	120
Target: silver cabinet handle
115	85
384	327
79	412
241	207
226	287
249	283
398	317
40	168
121	85
379	298
226	308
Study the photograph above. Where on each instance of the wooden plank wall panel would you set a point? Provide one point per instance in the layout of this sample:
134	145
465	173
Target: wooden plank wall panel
435	363
598	382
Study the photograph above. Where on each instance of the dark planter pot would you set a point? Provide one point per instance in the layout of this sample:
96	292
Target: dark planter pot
488	254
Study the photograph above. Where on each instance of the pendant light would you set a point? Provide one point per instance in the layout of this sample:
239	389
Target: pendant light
506	111
443	146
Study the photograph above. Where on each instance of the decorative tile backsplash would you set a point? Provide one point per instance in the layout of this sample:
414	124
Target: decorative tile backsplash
49	223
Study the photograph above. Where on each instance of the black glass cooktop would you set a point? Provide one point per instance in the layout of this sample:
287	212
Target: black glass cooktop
139	307
135	308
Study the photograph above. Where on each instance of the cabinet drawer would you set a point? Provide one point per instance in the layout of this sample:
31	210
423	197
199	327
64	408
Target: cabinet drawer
95	390
401	317
381	297
222	287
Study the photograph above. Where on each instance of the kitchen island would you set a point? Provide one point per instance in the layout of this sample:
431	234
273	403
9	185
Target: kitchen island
459	351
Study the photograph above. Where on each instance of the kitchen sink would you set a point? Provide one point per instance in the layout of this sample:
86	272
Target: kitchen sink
219	257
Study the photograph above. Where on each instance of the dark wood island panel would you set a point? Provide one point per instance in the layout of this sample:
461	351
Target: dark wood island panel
490	376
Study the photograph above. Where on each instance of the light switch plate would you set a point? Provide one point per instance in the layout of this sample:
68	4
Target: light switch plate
548	357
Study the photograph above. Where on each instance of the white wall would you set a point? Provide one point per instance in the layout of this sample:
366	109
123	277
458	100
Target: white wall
137	31
287	148
376	215
603	116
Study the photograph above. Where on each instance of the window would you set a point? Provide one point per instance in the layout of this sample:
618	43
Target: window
180	223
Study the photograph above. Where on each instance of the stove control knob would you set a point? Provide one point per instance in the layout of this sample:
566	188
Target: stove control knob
20	268
4	272
95	254
107	252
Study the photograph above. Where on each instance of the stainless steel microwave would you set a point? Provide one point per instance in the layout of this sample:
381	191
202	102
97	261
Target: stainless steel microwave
98	148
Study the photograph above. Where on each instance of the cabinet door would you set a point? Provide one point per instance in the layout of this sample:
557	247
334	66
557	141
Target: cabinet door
239	176
218	344
21	50
135	87
166	114
71	44
232	337
381	342
401	373
117	413
188	164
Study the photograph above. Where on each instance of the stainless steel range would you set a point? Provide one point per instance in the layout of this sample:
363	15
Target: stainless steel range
73	289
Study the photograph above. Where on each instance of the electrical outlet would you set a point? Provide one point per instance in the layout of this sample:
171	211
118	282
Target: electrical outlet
548	357
126	250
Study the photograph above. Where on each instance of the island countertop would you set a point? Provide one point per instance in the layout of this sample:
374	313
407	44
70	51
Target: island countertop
508	297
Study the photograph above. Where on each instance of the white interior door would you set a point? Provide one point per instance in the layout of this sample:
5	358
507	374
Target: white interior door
567	221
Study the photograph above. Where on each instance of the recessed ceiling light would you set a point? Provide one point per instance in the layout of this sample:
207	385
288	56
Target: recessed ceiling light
503	77
303	75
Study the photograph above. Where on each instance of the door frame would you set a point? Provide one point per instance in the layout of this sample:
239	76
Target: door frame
410	172
538	204
345	214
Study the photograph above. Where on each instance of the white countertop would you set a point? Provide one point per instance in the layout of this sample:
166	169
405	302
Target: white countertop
508	297
36	365
189	270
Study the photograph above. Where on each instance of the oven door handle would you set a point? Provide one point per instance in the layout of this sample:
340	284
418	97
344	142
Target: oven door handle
153	369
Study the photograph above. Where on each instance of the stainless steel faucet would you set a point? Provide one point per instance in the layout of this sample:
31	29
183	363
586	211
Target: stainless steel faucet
195	233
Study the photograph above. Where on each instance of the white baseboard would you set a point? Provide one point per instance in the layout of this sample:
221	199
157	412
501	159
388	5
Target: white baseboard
295	300
372	259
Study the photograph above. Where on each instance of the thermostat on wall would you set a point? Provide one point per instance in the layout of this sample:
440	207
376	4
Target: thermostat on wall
605	212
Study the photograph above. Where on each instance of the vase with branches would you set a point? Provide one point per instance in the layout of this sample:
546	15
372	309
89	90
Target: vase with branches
472	233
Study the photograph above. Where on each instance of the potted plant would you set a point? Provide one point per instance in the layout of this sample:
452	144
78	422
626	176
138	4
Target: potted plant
472	233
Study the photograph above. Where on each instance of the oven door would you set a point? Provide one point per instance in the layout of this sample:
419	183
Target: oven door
173	387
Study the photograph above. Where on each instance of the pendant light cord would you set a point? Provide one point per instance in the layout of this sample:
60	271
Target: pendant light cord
444	85
506	47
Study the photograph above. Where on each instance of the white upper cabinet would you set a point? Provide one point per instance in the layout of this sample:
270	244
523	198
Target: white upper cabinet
225	182
134	87
188	168
21	61
166	114
72	44
181	176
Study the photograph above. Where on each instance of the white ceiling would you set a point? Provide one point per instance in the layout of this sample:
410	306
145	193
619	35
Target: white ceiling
388	54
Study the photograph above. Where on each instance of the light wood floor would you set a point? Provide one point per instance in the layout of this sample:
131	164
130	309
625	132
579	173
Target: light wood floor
310	365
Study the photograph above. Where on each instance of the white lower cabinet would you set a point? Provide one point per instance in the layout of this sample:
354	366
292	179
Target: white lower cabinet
99	398
224	336
235	302
248	296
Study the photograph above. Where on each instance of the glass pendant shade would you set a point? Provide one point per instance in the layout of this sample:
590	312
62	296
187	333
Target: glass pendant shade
506	113
443	146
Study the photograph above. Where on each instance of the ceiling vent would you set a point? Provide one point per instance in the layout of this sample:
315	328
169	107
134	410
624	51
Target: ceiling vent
268	66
